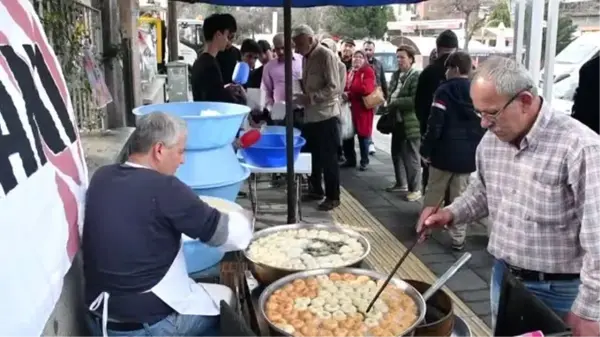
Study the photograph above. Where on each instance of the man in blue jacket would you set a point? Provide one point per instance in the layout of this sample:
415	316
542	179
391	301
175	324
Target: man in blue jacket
451	138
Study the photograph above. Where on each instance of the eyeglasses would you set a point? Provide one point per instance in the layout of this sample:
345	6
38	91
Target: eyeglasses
495	115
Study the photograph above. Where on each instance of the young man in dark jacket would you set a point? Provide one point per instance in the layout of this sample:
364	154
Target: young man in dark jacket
431	77
451	138
369	49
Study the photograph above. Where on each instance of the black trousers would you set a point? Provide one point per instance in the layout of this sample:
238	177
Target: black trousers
323	140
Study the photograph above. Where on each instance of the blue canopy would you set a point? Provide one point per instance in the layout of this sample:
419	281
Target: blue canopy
303	3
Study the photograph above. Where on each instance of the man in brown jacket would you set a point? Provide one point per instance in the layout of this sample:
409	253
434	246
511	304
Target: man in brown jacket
321	101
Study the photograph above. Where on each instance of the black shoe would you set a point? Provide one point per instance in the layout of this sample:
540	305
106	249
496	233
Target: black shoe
341	160
347	165
458	246
313	197
362	167
328	205
242	194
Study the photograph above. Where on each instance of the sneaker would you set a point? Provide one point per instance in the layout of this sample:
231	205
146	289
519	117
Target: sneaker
328	205
396	188
458	246
372	149
341	159
362	167
414	196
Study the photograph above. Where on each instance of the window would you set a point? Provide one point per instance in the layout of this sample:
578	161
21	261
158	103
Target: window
389	61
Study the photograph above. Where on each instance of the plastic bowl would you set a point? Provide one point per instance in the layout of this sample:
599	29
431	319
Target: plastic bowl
279	130
204	131
228	190
199	256
210	167
270	151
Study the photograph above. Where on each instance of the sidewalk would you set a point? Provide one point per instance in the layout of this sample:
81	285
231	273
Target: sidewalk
471	284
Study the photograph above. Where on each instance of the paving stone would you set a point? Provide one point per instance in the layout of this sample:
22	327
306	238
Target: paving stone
474	295
487	319
425	248
481	308
479	259
437	258
463	280
485	273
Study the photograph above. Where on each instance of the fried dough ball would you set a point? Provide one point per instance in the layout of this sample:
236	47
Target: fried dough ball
288	288
274	316
305	315
325	333
340	332
312	293
272	305
335	277
330	324
293	314
363	278
309	331
297	323
313	322
348	277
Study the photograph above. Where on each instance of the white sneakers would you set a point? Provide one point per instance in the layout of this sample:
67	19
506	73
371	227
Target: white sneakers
372	149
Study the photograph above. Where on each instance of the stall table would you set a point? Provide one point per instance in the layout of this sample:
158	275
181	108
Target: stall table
302	166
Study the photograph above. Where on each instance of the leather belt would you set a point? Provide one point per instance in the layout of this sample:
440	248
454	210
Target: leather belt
536	276
115	325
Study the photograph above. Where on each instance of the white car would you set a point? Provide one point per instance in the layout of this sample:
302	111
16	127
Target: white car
563	93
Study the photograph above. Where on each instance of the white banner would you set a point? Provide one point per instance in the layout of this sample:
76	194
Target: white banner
43	176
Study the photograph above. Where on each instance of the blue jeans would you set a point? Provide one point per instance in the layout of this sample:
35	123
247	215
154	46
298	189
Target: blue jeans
557	295
172	325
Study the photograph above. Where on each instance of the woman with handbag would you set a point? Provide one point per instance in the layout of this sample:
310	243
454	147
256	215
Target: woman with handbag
404	126
360	84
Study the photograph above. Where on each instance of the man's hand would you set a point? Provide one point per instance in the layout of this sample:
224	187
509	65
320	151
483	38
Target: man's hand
427	161
301	99
430	220
581	326
345	97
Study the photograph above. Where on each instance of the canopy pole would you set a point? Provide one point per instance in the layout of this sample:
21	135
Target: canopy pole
551	31
289	112
535	39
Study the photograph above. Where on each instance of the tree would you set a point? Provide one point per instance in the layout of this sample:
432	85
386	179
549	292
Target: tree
471	11
564	34
361	22
501	14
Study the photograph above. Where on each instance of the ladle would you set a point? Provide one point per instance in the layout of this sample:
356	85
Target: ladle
446	276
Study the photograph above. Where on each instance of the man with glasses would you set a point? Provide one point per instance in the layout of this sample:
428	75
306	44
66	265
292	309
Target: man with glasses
538	179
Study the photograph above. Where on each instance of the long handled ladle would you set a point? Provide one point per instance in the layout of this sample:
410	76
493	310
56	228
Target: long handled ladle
407	252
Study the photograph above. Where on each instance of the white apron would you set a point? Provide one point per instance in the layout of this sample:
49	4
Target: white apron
179	291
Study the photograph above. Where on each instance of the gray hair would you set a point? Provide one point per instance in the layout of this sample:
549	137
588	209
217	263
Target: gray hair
302	30
509	77
156	127
278	38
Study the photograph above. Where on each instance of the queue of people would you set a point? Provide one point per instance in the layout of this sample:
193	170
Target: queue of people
534	173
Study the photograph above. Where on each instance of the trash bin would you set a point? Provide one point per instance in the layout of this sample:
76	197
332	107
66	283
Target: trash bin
520	312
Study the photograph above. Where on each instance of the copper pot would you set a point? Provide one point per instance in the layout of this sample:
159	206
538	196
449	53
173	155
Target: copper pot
439	317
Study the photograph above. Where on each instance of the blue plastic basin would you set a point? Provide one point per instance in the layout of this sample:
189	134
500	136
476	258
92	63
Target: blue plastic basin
228	190
280	130
204	131
270	151
210	167
199	256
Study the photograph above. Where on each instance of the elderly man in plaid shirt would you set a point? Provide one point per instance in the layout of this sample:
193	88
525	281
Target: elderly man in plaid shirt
538	179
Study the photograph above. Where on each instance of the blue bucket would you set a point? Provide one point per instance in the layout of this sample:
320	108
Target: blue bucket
270	151
199	256
205	131
227	190
210	167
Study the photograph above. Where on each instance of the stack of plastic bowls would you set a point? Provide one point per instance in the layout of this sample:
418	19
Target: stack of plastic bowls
211	167
270	150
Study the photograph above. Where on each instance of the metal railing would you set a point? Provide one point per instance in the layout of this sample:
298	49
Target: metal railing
71	27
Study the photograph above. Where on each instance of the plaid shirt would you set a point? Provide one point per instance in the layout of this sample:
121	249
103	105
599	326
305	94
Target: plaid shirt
544	202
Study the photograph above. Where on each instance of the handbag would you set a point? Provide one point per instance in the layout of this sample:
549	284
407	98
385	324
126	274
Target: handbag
374	99
346	124
387	123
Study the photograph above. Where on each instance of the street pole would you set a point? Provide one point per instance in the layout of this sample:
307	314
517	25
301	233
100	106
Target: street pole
535	42
551	32
519	34
172	41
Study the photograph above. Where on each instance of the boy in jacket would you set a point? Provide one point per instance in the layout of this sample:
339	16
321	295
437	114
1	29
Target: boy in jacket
452	135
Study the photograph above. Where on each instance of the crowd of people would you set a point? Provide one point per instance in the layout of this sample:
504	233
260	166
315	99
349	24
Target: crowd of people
534	173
